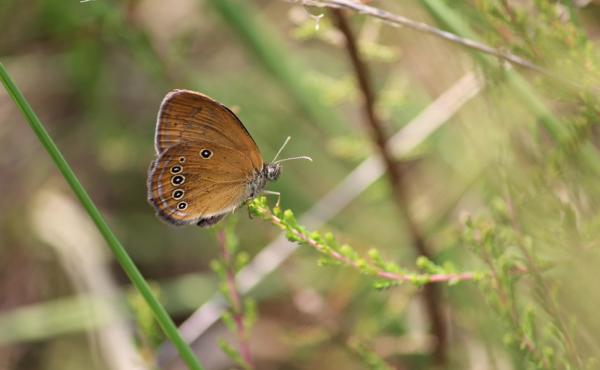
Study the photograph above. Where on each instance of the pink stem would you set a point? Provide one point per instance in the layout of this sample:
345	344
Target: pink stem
234	296
435	278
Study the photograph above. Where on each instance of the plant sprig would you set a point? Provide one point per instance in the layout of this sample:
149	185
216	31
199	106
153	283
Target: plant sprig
387	274
241	314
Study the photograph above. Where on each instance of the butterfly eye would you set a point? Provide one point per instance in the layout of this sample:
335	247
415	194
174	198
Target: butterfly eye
177	180
178	194
182	205
205	153
176	169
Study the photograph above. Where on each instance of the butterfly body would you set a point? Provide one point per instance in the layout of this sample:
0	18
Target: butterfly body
207	164
269	172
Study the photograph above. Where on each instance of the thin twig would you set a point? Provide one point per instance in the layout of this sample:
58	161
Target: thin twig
431	293
236	301
398	21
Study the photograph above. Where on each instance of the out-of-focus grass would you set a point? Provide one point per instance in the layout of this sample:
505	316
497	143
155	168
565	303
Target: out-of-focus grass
51	319
83	313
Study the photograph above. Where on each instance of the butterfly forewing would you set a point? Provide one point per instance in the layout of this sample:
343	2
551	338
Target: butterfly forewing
195	181
186	116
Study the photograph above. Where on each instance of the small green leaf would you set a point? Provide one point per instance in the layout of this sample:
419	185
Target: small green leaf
419	279
327	261
348	252
423	262
291	236
241	260
363	266
374	255
288	218
227	319
330	240
250	312
528	325
233	354
381	284
217	267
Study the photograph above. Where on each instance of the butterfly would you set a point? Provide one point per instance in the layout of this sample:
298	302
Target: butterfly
207	163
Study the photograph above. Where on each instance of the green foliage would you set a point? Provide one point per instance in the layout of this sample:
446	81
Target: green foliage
233	354
387	274
533	329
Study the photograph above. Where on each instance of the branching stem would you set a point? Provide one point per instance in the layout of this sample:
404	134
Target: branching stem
422	278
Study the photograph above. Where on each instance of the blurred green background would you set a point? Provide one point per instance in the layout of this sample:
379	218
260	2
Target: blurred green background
518	164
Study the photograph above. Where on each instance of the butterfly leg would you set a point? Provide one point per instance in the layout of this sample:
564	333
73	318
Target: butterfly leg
278	194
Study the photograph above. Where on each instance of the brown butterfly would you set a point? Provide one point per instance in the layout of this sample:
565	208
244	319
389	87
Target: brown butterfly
207	165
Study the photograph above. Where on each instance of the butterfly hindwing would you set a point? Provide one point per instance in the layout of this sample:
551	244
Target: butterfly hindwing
198	182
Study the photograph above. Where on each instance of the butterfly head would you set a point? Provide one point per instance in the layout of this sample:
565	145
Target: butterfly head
272	171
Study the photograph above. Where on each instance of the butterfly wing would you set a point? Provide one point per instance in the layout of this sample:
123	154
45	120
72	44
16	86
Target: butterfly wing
198	182
189	116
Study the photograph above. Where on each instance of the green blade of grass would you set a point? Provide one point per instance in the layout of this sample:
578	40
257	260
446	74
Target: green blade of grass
161	315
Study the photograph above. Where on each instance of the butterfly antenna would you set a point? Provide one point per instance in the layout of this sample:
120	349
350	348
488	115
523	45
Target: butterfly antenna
275	161
289	159
281	149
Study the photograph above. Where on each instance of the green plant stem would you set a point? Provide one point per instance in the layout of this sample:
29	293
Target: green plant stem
235	299
304	237
119	252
